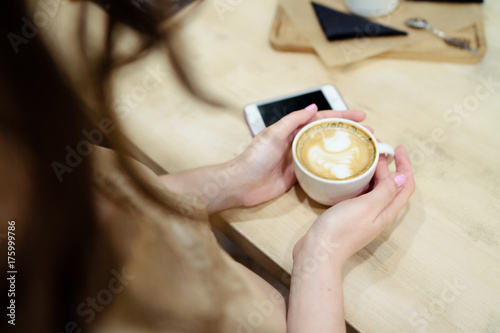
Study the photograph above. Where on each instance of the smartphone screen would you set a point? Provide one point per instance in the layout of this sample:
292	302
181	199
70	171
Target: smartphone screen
274	111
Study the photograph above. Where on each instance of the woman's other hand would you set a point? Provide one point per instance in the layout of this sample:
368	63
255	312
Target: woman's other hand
267	162
316	295
352	224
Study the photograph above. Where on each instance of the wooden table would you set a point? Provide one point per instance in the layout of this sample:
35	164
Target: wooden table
437	267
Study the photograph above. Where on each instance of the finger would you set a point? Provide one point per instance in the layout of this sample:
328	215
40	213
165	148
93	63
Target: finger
381	196
354	115
382	170
291	122
369	128
403	166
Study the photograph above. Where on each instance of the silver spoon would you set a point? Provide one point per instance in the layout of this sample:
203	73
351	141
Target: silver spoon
420	23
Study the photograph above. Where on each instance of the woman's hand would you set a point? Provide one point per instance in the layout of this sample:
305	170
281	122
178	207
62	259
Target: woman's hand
267	163
350	225
262	172
316	295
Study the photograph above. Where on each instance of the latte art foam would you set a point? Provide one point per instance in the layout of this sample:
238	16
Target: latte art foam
336	151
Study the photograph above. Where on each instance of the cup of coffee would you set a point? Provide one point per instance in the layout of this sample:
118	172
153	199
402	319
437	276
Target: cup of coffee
334	159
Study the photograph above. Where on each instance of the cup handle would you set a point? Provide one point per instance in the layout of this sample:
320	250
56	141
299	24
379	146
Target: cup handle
387	150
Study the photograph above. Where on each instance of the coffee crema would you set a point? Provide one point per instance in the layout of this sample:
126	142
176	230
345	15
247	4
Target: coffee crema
336	150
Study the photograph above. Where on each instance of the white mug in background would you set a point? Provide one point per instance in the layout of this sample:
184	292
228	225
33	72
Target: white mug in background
328	191
372	8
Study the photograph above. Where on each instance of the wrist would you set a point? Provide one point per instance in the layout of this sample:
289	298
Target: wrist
224	186
316	296
242	185
315	249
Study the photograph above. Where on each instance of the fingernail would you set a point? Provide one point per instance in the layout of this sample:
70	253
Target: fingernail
400	180
311	107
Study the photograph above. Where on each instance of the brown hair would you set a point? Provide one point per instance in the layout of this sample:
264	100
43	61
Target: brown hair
41	112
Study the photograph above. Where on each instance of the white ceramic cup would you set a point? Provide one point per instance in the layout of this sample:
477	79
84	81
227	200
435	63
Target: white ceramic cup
327	191
372	8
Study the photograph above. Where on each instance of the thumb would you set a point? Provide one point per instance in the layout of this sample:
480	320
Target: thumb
291	123
384	192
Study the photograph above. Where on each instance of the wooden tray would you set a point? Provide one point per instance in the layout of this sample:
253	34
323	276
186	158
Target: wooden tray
284	36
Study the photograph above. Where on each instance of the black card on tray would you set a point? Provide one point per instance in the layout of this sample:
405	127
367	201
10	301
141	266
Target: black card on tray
337	25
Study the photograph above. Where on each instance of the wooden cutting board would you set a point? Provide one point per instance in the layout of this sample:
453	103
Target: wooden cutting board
284	36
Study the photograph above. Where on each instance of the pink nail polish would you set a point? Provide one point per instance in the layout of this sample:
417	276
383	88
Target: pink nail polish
311	107
400	180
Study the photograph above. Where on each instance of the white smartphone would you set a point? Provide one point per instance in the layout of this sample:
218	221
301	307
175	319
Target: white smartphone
265	113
